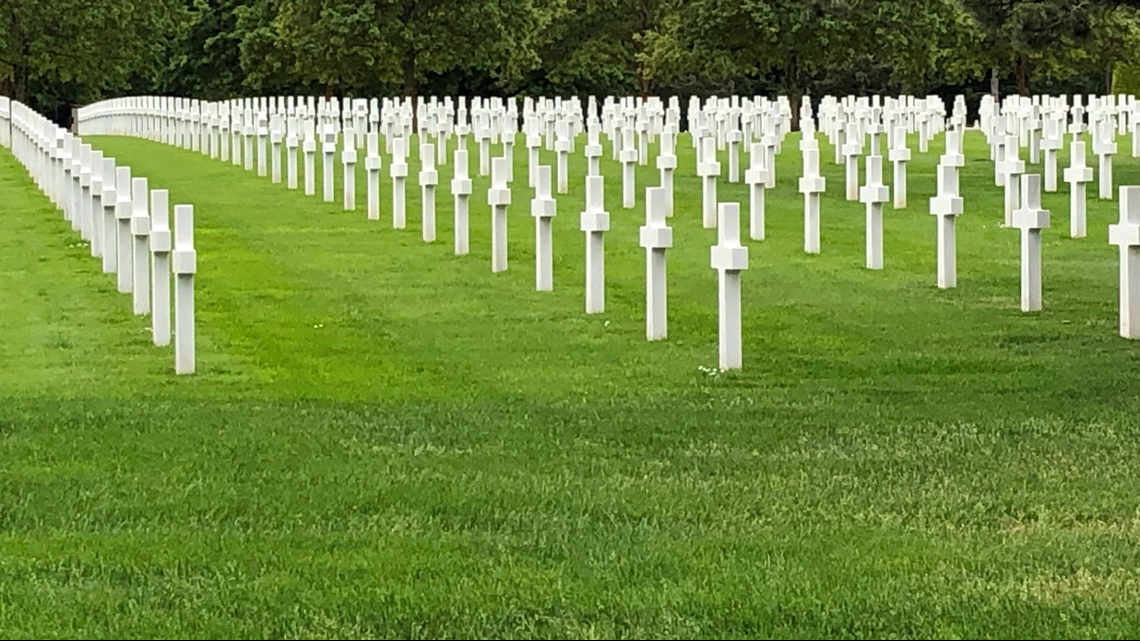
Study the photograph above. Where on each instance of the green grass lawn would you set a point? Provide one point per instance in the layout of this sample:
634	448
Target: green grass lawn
385	440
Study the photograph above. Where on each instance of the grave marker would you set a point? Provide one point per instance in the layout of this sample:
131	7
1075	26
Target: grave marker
140	231
329	149
372	167
461	190
123	213
812	184
543	209
429	178
947	206
275	140
1031	219
729	258
708	169
310	149
1105	148
1077	175
656	238
873	195
1012	167
595	222
348	161
291	143
1126	235
110	220
628	160
666	164
562	147
185	265
160	247
499	197
757	179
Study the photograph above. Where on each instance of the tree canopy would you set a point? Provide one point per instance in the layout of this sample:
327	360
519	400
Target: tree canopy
83	50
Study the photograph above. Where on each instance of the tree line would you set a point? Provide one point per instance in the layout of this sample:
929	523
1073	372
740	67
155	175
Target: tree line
79	51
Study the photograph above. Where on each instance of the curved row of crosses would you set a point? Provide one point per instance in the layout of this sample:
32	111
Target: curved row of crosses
124	222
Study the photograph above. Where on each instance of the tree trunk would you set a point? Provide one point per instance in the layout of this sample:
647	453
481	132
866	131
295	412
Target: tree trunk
20	80
410	86
1108	77
995	84
1021	68
794	92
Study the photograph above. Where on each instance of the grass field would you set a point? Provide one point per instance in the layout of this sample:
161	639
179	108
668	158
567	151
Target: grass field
385	440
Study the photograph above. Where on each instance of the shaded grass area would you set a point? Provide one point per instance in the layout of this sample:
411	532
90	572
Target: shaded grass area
386	440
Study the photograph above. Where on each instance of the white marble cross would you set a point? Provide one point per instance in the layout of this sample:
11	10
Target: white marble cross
1104	146
953	156
1126	235
184	262
593	153
667	164
757	179
429	178
96	207
499	197
852	149
82	220
140	232
123	213
1033	127
1077	175
812	185
483	136
771	142
729	258
461	191
329	150
348	161
1051	143
1011	168
899	157
160	247
276	138
708	169
562	149
262	140
735	137
656	238
873	195
543	208
372	164
291	142
533	147
110	217
595	222
1030	218
628	158
310	149
398	170
947	206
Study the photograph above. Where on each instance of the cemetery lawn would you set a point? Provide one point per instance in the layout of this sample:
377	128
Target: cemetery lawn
385	440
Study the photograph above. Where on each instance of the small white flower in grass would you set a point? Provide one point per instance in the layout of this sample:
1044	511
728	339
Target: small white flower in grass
606	324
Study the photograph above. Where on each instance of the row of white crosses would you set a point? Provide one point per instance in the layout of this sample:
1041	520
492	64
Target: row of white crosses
925	116
126	225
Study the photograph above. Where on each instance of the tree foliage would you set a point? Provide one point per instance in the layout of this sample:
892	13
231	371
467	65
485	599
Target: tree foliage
82	50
